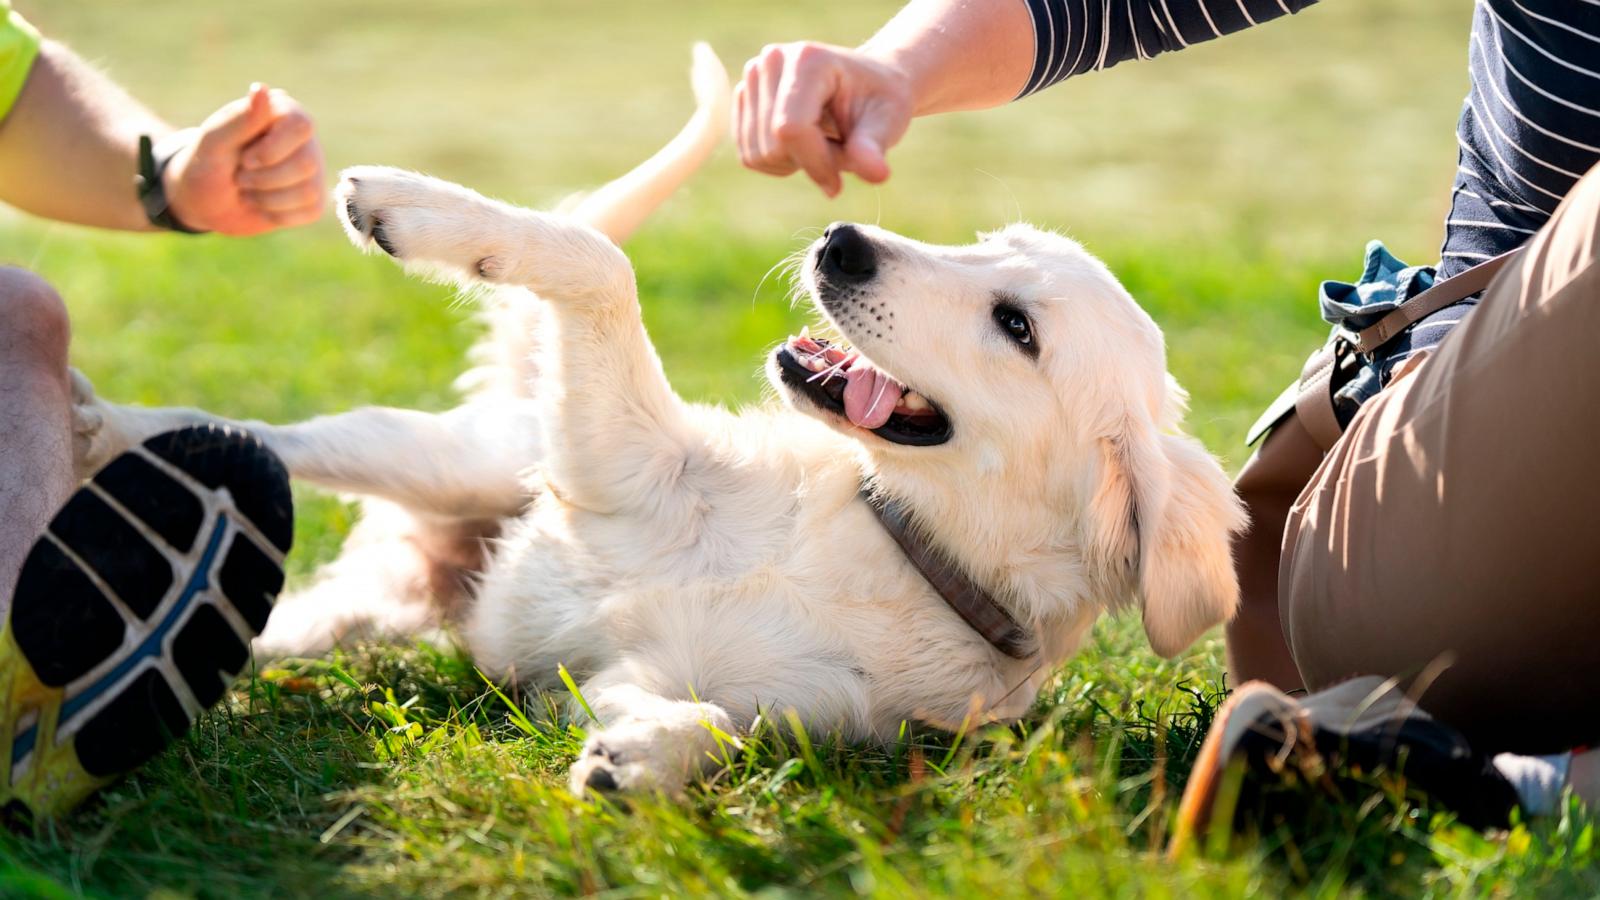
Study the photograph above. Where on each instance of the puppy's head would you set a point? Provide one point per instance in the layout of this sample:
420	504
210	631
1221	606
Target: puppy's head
1015	395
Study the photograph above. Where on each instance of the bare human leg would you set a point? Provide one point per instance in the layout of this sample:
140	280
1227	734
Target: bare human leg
35	416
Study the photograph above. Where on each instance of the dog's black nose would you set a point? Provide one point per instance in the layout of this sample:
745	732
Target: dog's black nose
847	255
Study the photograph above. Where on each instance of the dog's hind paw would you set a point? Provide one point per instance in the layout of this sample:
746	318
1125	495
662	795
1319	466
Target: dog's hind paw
102	431
91	446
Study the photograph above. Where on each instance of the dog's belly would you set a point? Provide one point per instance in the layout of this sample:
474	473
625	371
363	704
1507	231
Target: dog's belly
553	591
822	616
760	580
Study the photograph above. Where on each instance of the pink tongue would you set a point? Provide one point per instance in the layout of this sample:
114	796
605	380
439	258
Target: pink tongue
869	396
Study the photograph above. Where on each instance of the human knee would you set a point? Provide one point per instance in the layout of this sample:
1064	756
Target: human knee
1581	209
1590	180
33	318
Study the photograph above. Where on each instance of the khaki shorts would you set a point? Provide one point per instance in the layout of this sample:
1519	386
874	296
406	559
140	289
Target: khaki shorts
1452	536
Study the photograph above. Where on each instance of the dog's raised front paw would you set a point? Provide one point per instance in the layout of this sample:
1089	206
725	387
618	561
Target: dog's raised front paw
418	219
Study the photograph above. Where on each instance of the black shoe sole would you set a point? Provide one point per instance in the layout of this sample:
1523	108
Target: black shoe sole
1434	760
135	611
1265	760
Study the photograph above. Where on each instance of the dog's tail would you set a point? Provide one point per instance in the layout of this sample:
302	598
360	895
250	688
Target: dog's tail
621	206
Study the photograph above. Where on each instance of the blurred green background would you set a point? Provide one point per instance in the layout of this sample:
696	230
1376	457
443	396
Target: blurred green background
1221	184
1297	138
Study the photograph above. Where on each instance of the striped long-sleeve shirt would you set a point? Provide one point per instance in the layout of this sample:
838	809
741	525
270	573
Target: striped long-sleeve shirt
1530	126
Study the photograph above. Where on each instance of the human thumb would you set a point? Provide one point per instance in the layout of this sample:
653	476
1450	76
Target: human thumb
241	121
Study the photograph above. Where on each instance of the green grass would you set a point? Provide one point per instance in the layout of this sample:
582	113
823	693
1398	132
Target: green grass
1221	184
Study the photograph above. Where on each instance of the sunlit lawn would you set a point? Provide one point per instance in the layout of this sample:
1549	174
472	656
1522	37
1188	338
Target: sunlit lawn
1220	184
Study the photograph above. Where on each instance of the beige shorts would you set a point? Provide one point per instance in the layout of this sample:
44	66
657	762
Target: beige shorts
1453	533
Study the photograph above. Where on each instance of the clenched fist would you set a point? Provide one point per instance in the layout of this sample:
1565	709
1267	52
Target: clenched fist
252	167
821	108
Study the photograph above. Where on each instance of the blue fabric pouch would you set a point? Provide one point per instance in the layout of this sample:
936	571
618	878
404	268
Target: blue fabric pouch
1385	284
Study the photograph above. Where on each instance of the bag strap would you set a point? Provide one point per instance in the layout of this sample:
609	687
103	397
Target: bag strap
1430	301
1314	402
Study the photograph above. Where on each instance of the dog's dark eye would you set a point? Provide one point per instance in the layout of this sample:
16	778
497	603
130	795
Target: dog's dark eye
1016	326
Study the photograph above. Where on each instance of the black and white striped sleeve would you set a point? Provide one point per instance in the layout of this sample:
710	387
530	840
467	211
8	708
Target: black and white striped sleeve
1076	36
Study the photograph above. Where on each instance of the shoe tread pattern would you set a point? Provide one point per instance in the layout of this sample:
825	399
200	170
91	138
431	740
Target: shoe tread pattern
66	627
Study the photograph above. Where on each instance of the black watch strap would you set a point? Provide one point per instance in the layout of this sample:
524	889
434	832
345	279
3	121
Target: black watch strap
153	162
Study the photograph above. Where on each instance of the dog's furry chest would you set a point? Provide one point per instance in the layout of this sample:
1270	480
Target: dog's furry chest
787	593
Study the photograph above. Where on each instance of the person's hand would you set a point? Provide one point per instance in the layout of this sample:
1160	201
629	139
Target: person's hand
824	109
253	166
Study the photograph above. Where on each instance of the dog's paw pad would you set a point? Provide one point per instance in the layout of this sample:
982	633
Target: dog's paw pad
366	226
381	236
417	219
353	215
601	780
360	211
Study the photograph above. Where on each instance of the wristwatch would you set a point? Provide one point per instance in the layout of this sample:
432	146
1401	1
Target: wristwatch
153	161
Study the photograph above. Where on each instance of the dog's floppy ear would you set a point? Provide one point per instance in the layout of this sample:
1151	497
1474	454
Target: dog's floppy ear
1164	510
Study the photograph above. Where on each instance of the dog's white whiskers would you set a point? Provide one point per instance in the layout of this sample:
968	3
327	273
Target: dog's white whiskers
826	375
791	271
794	259
836	369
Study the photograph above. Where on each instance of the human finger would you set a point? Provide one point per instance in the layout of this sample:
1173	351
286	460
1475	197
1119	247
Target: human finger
768	69
305	164
744	120
291	129
237	123
800	100
309	193
752	145
878	127
292	218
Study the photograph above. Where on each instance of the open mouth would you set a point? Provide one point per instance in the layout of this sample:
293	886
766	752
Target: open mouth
838	380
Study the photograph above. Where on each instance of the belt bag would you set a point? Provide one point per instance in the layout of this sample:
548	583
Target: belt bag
1310	399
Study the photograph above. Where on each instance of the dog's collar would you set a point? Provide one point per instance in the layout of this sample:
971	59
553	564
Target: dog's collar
971	602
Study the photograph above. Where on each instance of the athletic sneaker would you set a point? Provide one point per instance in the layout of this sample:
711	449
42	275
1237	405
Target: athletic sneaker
1328	742
135	611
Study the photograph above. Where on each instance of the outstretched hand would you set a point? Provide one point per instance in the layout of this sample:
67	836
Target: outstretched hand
825	109
253	166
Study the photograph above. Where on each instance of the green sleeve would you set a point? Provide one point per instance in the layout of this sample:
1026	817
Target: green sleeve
19	45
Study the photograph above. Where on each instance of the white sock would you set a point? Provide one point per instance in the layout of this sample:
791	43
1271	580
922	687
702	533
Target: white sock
1539	780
